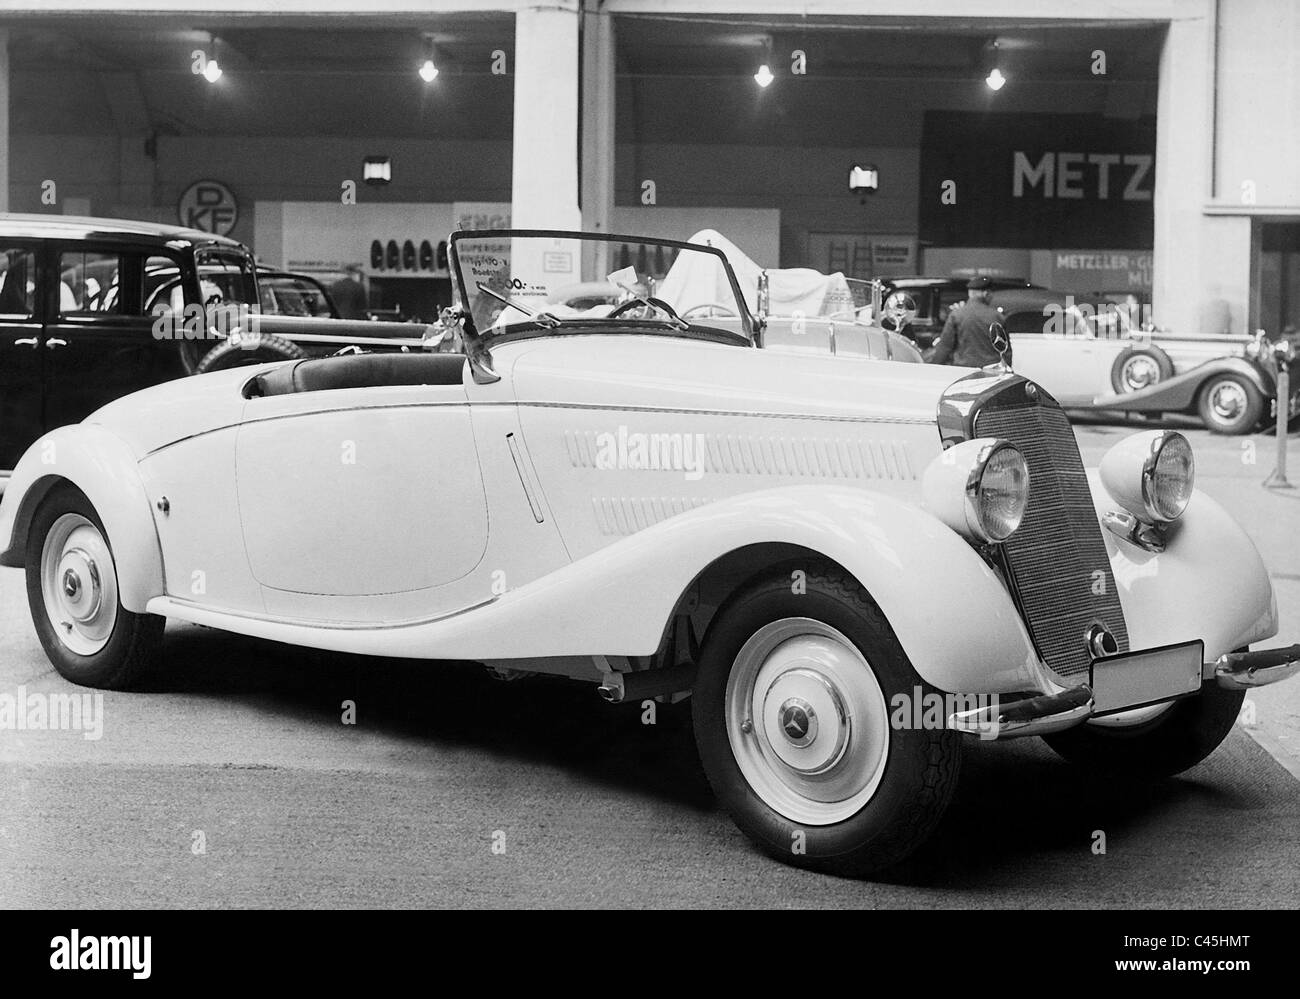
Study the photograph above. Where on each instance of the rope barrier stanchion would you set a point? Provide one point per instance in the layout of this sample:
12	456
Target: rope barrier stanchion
1283	352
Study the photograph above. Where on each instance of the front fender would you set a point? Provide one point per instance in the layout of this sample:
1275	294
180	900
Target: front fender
950	611
103	467
1209	583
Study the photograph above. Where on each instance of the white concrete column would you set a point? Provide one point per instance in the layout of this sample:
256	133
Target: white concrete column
597	167
545	183
4	119
1201	279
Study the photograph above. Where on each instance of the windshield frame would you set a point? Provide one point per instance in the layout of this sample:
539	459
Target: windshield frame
595	324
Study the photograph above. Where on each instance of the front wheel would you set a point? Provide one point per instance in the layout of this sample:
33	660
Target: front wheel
792	711
1229	404
1174	740
72	590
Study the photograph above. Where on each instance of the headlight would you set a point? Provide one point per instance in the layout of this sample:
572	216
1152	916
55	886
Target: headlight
979	488
1151	475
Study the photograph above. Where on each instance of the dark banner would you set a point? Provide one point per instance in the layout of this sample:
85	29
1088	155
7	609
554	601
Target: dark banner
1037	180
1233	952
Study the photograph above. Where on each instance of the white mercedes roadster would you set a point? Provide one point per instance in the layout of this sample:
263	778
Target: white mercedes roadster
848	563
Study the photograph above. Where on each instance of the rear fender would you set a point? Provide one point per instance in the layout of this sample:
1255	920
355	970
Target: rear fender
103	467
1179	393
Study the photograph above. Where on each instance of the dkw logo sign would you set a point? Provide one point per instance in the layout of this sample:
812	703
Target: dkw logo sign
208	205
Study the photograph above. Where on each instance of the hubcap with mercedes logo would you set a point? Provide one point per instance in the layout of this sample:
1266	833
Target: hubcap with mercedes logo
799	722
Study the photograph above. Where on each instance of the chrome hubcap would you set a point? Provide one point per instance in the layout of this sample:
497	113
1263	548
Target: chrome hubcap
807	721
79	584
1228	400
798	721
1139	373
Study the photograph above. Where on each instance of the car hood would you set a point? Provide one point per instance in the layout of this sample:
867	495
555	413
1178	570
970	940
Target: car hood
627	370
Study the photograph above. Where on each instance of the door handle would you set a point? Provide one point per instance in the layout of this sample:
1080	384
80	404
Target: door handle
54	341
27	341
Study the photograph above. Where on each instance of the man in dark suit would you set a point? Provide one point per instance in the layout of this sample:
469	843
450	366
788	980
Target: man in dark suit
349	294
968	337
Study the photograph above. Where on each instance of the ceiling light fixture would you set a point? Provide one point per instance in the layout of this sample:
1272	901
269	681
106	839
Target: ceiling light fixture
863	178
764	75
995	80
428	71
212	68
377	170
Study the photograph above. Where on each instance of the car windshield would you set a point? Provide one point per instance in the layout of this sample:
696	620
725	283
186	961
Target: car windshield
514	280
226	277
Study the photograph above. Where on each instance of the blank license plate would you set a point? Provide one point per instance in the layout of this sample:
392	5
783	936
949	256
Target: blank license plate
1147	677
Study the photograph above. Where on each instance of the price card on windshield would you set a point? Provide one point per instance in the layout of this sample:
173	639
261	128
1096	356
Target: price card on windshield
623	278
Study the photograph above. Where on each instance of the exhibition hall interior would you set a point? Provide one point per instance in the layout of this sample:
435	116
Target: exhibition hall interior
651	454
651	118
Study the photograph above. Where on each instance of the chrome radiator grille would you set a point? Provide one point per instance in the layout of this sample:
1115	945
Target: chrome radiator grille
1057	559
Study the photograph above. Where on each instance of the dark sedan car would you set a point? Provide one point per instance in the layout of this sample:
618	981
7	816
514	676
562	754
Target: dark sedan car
94	309
934	297
288	294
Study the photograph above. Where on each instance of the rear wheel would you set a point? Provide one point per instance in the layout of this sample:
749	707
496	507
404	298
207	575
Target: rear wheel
1230	404
72	591
792	718
1174	740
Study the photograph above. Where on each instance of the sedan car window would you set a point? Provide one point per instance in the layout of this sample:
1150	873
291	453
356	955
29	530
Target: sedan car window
1024	323
92	284
17	282
948	297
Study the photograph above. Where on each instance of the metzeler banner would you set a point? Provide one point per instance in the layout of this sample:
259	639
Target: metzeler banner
1037	180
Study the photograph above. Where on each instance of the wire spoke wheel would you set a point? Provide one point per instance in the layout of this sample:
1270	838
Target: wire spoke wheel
1229	404
1228	400
1139	372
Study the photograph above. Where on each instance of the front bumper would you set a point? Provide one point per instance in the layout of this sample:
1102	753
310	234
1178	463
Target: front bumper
1064	709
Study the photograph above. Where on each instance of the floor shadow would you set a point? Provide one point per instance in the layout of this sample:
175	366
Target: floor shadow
1016	803
544	719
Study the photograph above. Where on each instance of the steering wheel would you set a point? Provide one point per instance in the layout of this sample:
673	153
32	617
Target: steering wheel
716	310
658	303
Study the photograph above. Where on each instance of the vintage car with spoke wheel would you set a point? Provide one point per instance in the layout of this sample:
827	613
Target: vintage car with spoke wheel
1100	360
1099	357
644	501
